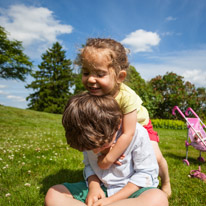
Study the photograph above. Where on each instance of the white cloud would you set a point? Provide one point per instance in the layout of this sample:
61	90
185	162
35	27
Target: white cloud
195	76
34	26
170	18
2	86
168	33
141	41
3	93
189	64
16	98
171	33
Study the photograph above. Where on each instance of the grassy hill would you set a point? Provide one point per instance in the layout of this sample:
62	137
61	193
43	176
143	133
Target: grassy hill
34	156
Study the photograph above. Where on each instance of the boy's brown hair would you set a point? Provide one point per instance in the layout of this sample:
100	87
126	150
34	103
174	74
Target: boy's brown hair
115	51
90	121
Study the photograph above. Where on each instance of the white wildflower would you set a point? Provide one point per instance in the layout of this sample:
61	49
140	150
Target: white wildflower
27	185
8	194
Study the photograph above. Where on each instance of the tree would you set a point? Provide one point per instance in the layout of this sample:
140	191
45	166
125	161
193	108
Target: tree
173	91
143	89
79	87
201	98
53	82
14	64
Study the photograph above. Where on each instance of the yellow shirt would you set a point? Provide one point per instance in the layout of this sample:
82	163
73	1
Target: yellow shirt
128	101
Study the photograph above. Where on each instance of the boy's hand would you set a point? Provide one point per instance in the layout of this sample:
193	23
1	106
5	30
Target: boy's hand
94	195
102	202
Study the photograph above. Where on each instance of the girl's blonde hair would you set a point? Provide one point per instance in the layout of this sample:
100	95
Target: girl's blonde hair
115	51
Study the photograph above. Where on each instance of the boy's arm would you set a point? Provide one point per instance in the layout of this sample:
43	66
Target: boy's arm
93	182
95	191
128	129
124	193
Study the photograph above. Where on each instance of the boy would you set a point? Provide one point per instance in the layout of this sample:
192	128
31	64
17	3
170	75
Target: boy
93	124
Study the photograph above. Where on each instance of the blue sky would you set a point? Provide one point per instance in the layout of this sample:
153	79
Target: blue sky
162	35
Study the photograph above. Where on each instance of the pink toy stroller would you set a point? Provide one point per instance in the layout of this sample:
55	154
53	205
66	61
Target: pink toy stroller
196	133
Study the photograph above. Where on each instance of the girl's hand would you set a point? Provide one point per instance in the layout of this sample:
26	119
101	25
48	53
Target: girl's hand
103	160
103	163
94	195
117	162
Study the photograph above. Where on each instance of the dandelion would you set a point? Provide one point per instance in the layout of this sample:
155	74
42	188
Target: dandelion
27	185
8	194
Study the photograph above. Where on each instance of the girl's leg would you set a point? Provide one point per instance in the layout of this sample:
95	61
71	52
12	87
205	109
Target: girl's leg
163	169
152	197
60	195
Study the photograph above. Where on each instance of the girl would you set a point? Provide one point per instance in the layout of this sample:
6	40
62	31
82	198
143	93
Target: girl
104	64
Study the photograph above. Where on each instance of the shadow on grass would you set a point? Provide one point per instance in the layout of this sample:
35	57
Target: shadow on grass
174	156
64	175
192	160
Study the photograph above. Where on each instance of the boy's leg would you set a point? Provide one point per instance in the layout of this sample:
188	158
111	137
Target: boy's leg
163	169
152	197
60	195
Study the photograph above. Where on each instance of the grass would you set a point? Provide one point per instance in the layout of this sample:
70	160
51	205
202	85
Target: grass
34	156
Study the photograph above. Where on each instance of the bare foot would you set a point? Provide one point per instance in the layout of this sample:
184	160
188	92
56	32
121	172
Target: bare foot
166	187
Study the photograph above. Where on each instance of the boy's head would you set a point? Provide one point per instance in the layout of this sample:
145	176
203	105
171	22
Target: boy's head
90	121
104	63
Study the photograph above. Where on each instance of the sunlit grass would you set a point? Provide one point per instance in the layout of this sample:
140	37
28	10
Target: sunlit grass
34	156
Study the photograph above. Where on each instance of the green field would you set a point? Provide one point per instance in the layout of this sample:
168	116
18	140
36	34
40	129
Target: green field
34	156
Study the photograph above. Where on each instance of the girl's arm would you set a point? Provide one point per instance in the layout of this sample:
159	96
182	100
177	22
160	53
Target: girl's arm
128	129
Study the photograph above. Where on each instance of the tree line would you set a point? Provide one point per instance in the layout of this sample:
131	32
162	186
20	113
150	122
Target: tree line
56	79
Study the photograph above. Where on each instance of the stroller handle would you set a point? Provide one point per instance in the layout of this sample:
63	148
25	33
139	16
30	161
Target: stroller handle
178	109
191	110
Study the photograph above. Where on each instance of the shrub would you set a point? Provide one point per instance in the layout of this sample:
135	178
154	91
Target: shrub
169	124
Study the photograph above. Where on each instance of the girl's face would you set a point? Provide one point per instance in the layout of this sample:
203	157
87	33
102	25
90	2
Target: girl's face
97	77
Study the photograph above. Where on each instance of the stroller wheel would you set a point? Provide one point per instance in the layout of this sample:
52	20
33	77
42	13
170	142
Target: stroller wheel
201	159
185	161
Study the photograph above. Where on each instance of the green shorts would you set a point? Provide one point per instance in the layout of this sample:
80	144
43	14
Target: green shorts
79	190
